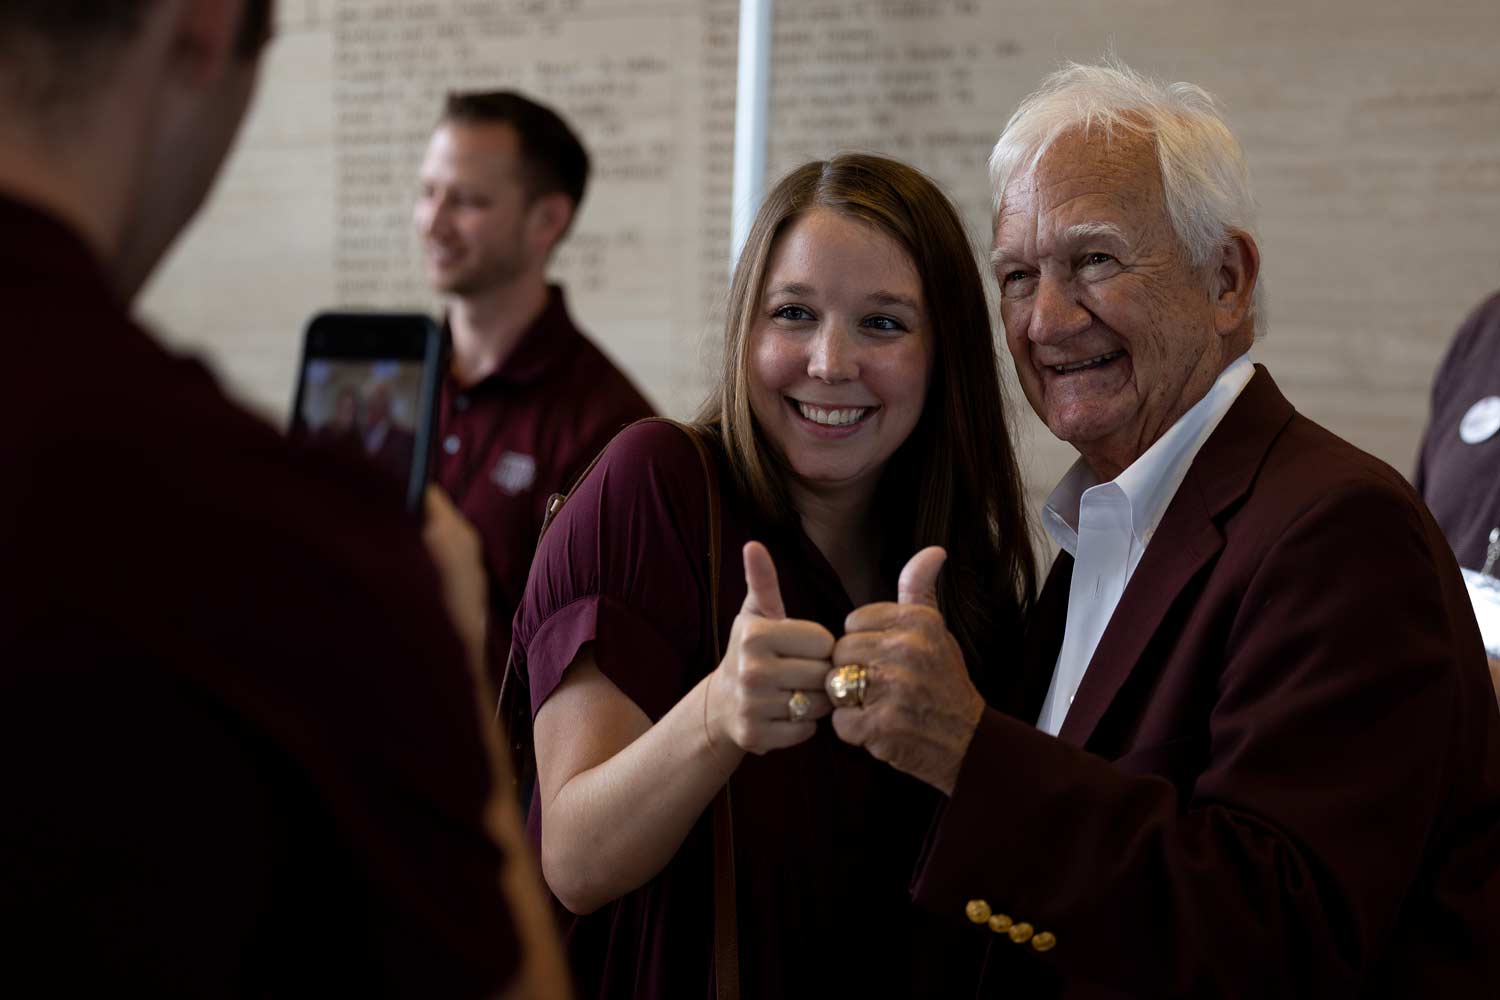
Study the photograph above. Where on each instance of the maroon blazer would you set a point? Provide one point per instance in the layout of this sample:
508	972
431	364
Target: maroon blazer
1281	774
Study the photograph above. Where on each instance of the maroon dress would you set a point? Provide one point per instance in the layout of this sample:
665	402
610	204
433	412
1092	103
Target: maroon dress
825	836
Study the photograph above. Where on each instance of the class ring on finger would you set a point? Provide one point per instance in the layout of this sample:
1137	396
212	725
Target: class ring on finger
798	706
846	685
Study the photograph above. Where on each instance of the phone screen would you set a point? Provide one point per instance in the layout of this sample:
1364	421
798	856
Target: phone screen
368	386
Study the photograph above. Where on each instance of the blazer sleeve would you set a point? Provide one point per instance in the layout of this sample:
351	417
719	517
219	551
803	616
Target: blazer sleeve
1278	866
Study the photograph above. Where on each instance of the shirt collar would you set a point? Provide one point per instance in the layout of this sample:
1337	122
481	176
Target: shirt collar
548	342
1150	482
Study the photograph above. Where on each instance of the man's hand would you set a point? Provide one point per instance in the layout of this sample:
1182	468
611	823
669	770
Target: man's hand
455	549
920	708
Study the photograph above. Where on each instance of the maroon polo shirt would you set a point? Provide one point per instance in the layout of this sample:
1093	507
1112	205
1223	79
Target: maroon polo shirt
508	442
239	746
1458	469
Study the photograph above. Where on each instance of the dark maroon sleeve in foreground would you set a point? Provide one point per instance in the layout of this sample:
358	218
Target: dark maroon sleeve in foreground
239	743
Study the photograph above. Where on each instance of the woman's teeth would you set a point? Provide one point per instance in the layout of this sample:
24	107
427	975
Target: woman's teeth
832	418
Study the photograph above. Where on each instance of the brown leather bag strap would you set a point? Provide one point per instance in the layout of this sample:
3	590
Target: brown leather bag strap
726	913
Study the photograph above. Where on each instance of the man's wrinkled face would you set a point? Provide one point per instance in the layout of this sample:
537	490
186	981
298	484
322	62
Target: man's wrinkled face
1110	326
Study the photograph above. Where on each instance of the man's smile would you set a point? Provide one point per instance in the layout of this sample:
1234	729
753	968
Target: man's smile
1077	366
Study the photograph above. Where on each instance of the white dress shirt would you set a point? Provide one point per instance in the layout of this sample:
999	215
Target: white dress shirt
1106	527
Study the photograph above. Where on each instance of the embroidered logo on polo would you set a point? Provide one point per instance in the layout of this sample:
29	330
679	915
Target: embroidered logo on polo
1481	422
515	473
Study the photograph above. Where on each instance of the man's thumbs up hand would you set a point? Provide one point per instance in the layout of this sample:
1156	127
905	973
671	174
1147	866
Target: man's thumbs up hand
920	709
918	582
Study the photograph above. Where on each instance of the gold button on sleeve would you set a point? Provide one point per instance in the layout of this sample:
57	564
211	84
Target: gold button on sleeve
1045	941
1021	933
1000	923
977	910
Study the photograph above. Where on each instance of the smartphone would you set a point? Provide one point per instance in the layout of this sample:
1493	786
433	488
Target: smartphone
368	384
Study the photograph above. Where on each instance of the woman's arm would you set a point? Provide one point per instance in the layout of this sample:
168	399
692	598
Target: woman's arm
618	794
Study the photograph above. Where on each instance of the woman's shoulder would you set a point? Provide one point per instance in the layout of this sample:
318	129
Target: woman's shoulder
658	456
657	439
622	566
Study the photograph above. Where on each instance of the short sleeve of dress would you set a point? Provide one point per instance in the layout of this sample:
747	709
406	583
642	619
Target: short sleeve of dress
624	566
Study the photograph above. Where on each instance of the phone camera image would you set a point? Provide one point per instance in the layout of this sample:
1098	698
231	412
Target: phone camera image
368	387
369	407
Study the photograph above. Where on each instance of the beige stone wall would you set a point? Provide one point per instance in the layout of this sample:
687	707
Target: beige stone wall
1373	130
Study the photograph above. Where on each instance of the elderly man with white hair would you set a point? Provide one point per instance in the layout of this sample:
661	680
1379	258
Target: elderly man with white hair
1250	749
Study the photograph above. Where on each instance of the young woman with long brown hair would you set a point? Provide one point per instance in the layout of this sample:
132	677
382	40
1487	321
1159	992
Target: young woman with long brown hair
859	419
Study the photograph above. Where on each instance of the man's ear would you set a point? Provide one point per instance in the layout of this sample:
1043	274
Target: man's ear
548	219
204	38
1236	270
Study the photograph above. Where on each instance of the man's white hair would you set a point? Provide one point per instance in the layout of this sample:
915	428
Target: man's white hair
1204	174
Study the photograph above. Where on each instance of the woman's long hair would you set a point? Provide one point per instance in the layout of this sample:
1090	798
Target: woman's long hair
954	481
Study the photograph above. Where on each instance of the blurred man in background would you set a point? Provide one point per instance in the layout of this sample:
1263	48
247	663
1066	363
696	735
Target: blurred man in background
528	400
1458	469
239	739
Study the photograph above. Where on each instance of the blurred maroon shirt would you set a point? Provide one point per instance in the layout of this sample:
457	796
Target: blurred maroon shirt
238	743
508	442
1458	468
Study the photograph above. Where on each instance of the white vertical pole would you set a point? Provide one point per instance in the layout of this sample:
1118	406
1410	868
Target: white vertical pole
751	108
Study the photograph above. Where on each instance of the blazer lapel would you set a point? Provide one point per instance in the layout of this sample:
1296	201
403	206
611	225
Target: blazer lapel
1187	540
1044	636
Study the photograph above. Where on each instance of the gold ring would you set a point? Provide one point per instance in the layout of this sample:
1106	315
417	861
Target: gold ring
846	685
798	706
